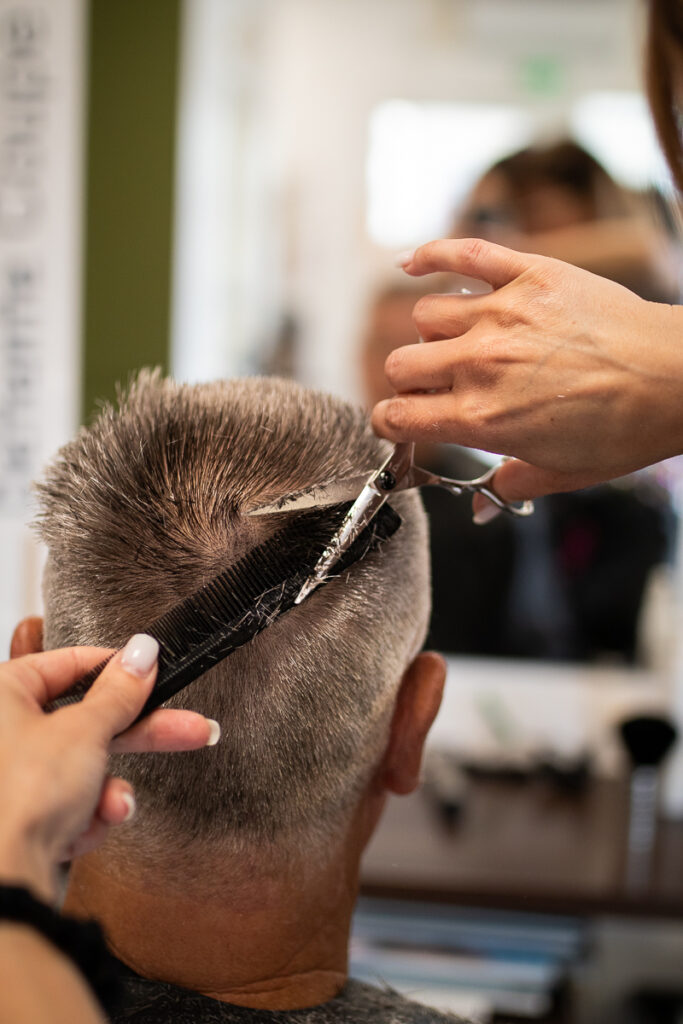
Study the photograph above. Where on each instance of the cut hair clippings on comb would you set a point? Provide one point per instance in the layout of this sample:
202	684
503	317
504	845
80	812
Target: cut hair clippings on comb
397	473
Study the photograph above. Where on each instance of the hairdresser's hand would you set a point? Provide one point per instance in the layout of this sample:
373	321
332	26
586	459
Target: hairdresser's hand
55	797
567	371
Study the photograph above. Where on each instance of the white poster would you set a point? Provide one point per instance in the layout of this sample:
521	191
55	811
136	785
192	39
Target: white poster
41	132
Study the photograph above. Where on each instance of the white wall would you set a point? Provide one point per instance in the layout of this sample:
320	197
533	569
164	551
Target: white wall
41	98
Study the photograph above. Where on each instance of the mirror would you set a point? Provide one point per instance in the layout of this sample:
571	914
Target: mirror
316	140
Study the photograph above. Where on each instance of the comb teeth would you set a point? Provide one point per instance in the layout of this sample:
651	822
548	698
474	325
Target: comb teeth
237	604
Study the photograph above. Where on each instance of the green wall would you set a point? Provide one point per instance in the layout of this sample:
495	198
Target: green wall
131	122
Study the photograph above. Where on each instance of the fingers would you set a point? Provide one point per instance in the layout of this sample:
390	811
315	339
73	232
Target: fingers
446	315
439	417
519	481
47	675
118	695
89	840
117	802
116	806
472	257
421	367
168	730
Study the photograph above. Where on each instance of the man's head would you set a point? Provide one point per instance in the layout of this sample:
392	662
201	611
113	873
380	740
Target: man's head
149	504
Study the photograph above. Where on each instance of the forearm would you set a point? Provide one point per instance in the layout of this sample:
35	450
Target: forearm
38	982
38	985
24	863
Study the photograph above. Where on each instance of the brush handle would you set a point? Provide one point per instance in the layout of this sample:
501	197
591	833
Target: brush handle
642	825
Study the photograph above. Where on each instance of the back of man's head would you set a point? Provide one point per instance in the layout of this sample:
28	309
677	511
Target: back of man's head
149	504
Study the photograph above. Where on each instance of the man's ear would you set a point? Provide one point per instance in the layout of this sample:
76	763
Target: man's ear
418	702
27	637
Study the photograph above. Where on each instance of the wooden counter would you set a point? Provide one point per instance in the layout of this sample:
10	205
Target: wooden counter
524	846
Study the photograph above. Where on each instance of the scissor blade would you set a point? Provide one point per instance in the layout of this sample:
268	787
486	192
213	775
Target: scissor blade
362	512
334	493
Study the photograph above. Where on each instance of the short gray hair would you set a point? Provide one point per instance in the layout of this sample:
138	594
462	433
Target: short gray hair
147	505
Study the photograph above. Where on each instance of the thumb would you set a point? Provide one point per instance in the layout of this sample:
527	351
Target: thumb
118	695
520	481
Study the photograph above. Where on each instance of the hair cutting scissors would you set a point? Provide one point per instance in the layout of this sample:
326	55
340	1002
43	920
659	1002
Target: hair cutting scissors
397	473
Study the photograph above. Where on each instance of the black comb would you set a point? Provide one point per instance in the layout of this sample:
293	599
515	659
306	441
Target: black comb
236	605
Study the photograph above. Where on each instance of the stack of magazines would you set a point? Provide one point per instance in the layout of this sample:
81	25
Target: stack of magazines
474	963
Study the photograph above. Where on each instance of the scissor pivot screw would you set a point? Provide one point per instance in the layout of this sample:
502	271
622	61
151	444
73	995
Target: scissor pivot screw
386	480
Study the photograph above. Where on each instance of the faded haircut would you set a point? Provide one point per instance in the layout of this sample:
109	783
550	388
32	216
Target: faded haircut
151	502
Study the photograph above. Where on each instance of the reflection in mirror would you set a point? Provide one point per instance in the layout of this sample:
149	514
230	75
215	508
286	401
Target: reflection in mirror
317	139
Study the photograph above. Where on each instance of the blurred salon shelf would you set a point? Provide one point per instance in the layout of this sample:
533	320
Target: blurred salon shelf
524	846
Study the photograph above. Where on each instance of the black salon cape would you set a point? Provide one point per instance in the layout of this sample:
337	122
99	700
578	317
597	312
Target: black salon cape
142	1001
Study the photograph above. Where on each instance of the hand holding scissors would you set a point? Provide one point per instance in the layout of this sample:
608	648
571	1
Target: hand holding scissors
397	473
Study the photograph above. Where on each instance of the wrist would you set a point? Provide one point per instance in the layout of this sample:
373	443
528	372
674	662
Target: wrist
24	863
668	321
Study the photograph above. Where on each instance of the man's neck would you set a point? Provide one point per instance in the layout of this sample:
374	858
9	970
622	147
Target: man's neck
272	945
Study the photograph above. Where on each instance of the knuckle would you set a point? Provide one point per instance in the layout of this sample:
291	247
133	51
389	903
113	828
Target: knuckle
429	253
474	250
478	417
543	273
394	364
473	413
425	309
395	415
506	314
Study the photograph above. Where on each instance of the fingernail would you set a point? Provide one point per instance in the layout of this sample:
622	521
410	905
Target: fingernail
404	258
140	654
214	732
485	514
129	801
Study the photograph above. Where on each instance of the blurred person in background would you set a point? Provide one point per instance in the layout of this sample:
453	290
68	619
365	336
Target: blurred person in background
559	201
569	583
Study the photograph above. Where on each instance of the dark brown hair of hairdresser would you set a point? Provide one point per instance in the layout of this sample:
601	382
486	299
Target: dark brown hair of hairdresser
664	71
565	165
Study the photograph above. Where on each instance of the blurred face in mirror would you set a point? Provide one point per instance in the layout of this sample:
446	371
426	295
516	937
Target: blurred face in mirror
495	207
538	190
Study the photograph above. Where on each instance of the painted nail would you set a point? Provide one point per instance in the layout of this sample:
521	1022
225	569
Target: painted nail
485	514
129	801
214	732
404	258
139	655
